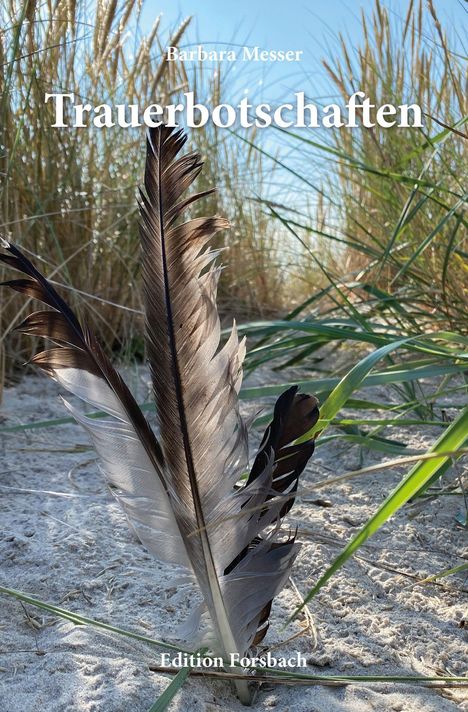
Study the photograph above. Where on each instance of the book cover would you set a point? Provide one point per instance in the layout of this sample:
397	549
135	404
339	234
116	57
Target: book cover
233	328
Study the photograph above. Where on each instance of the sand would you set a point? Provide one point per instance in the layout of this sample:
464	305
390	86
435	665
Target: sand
77	552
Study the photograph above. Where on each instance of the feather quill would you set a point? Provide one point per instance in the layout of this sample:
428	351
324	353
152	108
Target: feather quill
182	492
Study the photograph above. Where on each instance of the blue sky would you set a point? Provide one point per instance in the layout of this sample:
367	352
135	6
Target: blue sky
285	24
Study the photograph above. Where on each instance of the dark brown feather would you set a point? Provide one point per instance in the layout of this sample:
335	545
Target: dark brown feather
294	415
49	325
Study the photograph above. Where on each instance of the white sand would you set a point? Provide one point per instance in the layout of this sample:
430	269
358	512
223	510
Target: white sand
77	552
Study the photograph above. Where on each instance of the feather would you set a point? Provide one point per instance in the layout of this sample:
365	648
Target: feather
133	459
183	493
294	414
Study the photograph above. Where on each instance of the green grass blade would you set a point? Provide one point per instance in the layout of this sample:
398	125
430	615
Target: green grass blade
368	442
265	328
170	692
320	385
82	620
53	422
442	574
453	438
350	383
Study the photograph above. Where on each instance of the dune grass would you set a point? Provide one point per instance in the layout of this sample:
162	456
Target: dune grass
387	236
384	235
69	196
388	241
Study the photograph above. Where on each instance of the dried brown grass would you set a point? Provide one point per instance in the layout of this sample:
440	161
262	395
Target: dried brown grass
69	195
